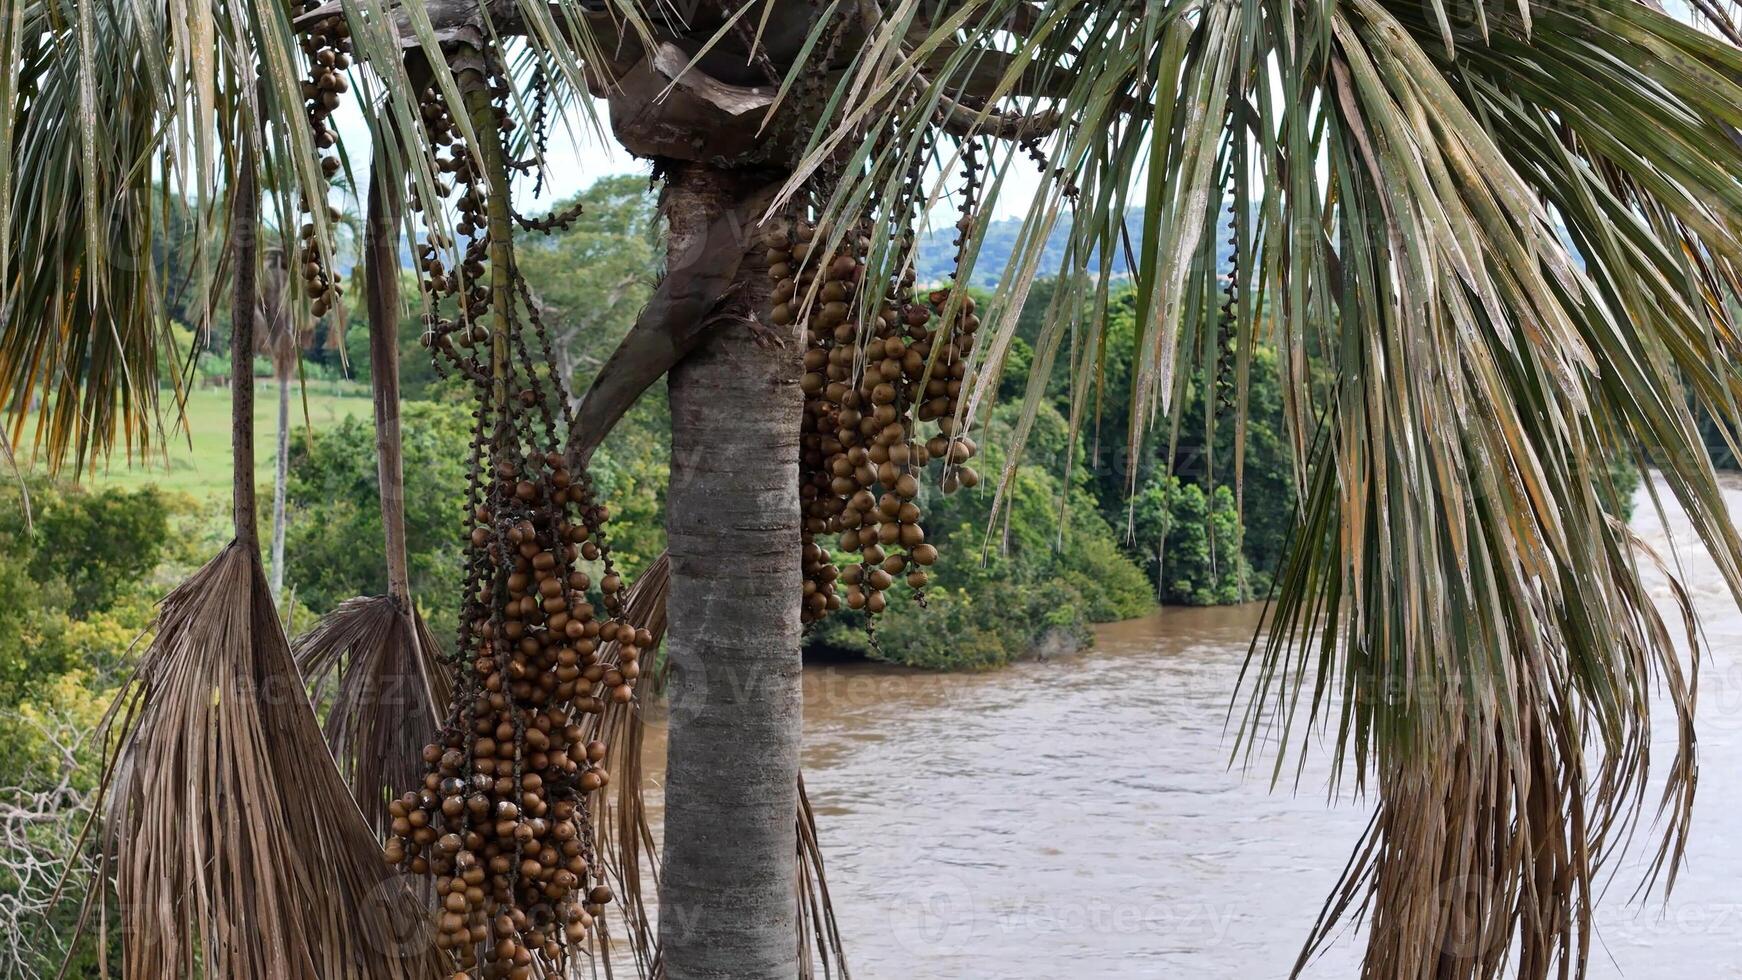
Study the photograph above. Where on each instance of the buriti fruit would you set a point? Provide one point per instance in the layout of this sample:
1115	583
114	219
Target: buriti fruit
876	366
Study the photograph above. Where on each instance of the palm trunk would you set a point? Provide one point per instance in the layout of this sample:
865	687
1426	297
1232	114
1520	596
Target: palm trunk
281	473
727	888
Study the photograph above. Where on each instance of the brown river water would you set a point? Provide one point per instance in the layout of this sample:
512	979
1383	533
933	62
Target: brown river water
1080	817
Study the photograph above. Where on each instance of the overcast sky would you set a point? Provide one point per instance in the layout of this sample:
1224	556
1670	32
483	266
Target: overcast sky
577	156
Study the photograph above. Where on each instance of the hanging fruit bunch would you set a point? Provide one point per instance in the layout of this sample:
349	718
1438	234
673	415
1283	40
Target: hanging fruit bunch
465	284
876	368
328	48
502	820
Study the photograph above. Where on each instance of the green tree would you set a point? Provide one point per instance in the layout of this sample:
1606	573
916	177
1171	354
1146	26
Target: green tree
335	515
100	543
1191	543
75	596
75	557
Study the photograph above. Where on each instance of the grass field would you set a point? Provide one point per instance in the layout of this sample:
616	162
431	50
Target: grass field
203	467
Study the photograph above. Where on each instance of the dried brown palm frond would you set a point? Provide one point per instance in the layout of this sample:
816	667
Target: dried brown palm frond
1474	842
623	833
237	851
235	848
389	695
816	911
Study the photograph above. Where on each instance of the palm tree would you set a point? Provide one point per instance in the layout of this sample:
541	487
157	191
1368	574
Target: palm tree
280	334
1507	234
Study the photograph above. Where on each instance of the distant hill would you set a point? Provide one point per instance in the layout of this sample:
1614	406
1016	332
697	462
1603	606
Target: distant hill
937	251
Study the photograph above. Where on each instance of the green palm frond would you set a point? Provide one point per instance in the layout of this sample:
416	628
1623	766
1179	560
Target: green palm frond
119	115
75	351
1509	236
117	127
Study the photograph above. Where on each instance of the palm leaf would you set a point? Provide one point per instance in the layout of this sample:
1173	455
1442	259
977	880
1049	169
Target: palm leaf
79	342
236	849
117	113
1509	239
389	694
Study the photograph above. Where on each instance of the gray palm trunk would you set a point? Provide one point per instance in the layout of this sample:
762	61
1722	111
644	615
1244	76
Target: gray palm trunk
727	902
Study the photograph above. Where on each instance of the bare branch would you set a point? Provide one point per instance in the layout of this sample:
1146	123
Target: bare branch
39	824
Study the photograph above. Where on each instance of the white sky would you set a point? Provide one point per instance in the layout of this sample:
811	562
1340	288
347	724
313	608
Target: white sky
577	156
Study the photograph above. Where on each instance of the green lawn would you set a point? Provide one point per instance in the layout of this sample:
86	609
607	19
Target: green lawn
203	467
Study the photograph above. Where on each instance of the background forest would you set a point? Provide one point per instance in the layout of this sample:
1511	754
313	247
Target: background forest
1085	536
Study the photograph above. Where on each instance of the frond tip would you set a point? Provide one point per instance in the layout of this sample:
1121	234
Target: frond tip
390	696
235	848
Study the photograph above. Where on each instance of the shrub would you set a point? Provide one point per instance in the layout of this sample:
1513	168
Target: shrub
72	579
1112	586
963	628
101	544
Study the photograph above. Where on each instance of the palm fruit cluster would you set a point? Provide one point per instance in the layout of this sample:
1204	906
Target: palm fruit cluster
875	368
943	392
328	48
456	167
502	821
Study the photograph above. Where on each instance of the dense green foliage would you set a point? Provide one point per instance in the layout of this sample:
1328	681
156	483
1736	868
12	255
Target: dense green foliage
593	277
76	559
79	573
333	546
1049	568
1190	540
1203	532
